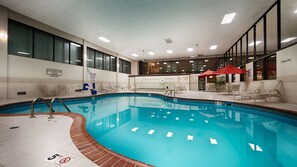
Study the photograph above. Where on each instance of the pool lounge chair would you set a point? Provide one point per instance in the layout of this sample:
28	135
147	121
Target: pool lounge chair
270	89
262	90
253	90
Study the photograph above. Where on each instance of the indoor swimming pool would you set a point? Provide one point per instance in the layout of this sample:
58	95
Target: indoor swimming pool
178	132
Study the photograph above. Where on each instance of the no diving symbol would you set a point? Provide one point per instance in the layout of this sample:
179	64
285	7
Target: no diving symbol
64	160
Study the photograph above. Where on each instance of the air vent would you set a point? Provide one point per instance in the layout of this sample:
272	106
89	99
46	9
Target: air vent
168	40
21	93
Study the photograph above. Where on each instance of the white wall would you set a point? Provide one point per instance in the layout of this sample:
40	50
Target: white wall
21	74
160	82
3	53
194	82
286	69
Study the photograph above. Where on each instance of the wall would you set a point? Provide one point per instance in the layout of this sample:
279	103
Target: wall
286	68
21	74
194	82
161	82
3	53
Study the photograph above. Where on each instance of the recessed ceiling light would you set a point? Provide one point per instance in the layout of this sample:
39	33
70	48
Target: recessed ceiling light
257	43
228	18
206	60
213	47
135	55
151	53
104	39
190	49
164	63
177	62
169	51
288	39
74	44
191	61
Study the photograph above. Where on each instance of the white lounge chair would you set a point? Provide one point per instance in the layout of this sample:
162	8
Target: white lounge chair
253	90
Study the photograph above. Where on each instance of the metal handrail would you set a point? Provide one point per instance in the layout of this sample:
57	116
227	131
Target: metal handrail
51	107
170	92
32	105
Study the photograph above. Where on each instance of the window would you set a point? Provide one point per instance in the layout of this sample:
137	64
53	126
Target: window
20	39
43	45
124	66
107	62
113	63
75	54
61	50
99	60
90	58
271	67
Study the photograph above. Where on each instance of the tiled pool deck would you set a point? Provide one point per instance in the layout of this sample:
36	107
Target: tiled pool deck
36	140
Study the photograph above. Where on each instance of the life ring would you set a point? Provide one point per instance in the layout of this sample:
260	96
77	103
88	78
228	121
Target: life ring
162	81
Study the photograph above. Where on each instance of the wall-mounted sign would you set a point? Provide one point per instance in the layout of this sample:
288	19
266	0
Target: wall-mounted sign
287	60
53	72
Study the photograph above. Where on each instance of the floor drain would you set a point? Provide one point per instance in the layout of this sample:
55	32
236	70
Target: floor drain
13	127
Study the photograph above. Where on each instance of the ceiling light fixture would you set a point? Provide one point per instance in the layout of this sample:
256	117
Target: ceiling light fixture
151	53
135	55
257	43
169	51
74	44
104	39
190	49
295	11
213	47
177	62
288	39
228	18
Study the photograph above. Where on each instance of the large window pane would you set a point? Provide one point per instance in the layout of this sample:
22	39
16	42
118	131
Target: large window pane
113	63
288	22
43	45
271	67
90	57
75	54
20	39
61	50
272	30
99	60
107	62
251	44
129	67
244	48
260	39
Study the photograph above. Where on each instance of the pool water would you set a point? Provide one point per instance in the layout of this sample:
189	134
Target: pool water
167	133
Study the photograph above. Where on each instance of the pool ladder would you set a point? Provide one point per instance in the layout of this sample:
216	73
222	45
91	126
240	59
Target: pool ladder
170	92
49	106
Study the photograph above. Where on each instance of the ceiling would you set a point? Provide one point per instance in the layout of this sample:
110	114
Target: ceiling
137	25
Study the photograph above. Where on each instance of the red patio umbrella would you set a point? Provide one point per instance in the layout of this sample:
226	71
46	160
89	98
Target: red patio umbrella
229	69
208	73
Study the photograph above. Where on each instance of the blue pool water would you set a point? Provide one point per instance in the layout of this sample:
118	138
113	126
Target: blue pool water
167	133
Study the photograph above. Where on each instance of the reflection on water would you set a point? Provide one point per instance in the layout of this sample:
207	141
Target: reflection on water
167	133
164	133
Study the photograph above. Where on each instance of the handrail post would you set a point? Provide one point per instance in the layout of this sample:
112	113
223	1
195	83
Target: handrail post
51	109
32	110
